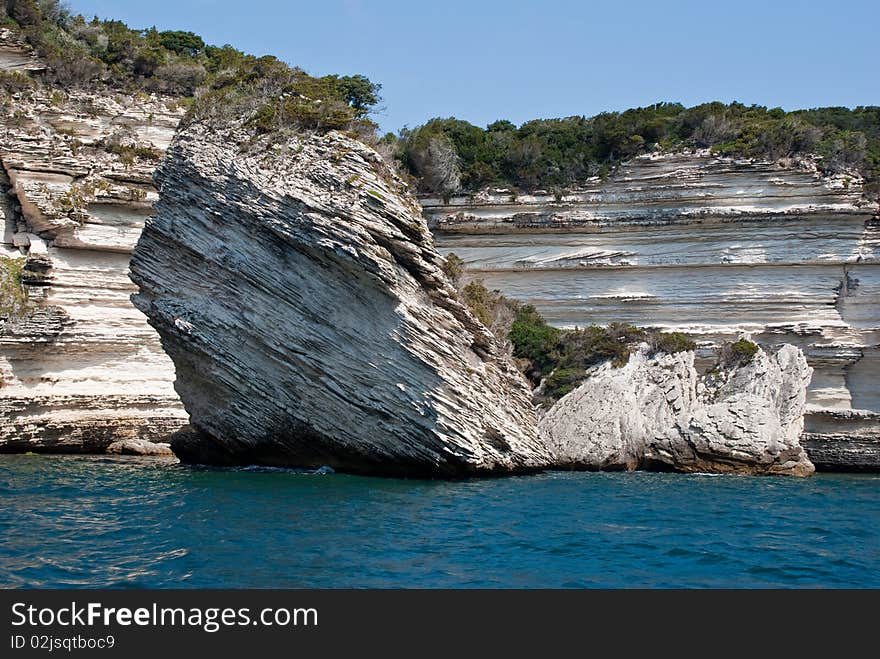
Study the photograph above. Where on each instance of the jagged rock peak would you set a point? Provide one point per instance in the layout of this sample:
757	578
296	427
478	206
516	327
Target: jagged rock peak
296	287
657	412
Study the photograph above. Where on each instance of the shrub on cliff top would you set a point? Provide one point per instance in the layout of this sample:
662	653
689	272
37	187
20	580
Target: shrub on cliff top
578	350
565	152
230	86
669	343
535	341
738	353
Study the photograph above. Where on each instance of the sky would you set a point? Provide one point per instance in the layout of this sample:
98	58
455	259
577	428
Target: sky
494	59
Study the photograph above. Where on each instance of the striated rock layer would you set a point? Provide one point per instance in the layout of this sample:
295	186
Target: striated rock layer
656	412
299	294
710	246
80	368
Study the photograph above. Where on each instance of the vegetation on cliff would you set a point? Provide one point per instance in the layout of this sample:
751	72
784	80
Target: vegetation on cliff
13	297
446	156
219	82
741	351
557	357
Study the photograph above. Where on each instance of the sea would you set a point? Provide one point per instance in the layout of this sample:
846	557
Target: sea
113	522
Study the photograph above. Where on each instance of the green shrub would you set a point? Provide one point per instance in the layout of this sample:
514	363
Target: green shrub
264	92
739	352
594	345
566	358
453	268
534	340
13	296
562	381
669	343
562	153
182	43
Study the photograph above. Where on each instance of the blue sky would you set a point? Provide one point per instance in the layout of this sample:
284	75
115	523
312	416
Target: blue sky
486	60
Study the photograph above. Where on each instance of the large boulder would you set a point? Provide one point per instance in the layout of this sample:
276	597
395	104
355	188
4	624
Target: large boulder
657	412
297	290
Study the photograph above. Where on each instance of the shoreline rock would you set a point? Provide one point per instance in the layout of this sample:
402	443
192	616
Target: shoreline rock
299	294
658	413
139	447
79	366
711	246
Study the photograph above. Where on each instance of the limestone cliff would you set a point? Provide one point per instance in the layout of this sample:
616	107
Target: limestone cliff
656	412
714	247
711	246
80	368
297	290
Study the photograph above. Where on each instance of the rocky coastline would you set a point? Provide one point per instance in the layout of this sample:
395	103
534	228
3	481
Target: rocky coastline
80	369
657	413
714	247
299	315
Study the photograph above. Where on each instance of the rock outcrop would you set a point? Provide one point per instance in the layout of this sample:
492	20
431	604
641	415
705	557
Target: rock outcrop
710	246
297	290
658	413
713	247
80	368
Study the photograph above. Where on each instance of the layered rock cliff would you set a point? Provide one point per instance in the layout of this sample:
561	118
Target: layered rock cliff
710	246
657	412
715	247
80	368
297	290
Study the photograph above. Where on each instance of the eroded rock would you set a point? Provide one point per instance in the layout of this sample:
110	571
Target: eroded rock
80	368
656	412
298	292
707	245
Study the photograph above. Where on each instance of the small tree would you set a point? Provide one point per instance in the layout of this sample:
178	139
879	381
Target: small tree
359	93
453	268
435	160
182	43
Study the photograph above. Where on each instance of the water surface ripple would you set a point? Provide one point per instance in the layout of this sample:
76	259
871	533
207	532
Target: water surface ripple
127	523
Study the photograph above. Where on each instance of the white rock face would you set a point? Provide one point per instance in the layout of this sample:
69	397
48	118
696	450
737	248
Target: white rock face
82	369
656	412
298	291
709	246
15	55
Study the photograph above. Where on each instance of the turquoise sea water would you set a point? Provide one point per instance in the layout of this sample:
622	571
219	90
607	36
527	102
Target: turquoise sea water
108	522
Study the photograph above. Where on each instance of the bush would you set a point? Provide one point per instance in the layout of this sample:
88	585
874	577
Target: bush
669	343
178	78
261	92
182	43
576	351
564	152
533	339
75	71
453	268
561	382
594	345
739	352
13	296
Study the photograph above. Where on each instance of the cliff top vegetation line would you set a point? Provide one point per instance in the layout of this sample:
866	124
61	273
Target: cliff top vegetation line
446	156
558	359
220	83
